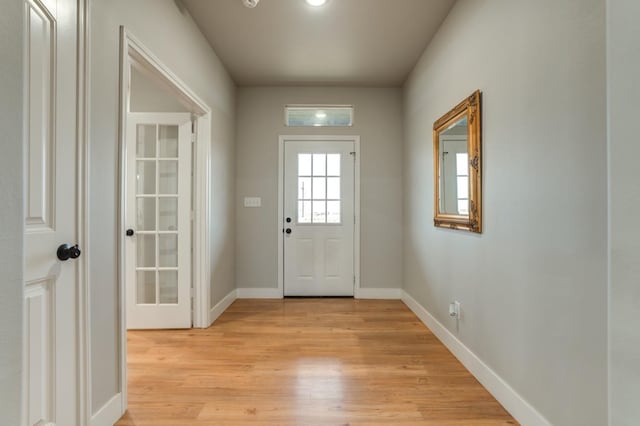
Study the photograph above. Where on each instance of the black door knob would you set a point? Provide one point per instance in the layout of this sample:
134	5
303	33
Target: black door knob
288	230
130	232
288	220
66	252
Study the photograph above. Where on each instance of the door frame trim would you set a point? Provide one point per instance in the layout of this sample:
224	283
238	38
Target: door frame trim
132	51
84	198
356	202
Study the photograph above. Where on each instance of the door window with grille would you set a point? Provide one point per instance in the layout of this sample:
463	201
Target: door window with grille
319	188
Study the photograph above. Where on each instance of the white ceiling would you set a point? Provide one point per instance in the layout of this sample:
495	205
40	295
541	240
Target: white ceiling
345	42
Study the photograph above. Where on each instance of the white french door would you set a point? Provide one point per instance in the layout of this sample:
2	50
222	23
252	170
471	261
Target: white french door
50	356
319	218
158	221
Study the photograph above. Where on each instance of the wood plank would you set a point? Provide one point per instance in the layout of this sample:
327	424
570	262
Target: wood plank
304	362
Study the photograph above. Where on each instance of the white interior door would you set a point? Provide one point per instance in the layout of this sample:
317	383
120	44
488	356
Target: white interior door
50	350
319	218
158	221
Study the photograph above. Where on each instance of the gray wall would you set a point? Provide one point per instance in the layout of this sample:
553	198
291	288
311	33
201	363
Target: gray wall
170	33
624	202
378	121
533	285
148	96
11	211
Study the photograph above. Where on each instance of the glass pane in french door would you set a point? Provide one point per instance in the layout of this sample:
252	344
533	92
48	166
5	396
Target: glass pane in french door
157	210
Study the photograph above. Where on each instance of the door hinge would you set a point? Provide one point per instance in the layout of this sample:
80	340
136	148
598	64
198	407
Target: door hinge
352	153
354	280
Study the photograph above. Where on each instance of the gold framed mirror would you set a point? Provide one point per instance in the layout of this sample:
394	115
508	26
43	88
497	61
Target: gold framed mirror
457	157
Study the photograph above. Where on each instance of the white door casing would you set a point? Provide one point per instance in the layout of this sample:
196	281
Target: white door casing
158	211
319	216
50	355
134	53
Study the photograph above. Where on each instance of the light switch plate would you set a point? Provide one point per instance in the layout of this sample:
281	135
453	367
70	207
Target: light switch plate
252	202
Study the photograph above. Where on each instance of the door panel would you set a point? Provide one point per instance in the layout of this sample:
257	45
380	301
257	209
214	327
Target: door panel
50	351
40	329
158	212
40	153
333	255
319	201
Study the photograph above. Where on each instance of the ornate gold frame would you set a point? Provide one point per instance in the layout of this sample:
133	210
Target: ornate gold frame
471	108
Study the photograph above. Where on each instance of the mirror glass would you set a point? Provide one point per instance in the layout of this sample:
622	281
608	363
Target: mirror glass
457	157
454	168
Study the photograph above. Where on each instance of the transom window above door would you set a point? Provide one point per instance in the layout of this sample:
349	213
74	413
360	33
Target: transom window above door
319	198
318	115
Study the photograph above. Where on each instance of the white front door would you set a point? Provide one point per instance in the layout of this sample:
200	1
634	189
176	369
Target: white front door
51	215
158	221
319	218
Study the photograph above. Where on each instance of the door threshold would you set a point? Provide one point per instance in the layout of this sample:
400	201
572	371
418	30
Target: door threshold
319	297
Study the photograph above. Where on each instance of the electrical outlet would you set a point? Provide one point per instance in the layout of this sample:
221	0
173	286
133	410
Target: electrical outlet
454	310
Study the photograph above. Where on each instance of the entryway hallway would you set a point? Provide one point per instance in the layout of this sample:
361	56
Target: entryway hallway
304	362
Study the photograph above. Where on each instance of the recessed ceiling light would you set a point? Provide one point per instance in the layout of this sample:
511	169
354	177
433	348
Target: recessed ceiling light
316	2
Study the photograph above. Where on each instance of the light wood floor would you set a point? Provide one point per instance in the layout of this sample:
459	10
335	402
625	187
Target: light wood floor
304	362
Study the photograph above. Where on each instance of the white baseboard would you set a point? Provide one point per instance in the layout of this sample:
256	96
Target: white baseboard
515	404
361	293
378	293
259	293
109	413
222	306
